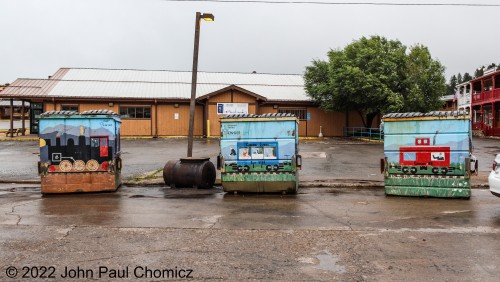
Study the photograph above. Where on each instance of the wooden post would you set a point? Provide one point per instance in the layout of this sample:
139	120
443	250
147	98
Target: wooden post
208	128
11	117
22	119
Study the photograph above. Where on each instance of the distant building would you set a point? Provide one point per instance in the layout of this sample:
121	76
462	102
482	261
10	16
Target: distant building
448	103
463	96
485	103
5	109
156	103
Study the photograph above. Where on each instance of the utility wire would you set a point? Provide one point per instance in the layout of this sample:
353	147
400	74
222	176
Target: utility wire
341	3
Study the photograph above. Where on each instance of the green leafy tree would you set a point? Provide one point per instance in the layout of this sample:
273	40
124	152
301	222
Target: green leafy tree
376	75
459	78
426	82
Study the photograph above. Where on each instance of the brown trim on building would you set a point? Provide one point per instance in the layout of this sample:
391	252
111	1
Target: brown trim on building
231	88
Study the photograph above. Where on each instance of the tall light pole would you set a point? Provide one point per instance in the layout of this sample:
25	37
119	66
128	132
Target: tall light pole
206	17
189	171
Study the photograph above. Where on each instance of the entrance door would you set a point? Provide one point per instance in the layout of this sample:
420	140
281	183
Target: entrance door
36	109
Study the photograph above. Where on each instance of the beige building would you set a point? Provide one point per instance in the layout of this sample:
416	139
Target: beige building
156	103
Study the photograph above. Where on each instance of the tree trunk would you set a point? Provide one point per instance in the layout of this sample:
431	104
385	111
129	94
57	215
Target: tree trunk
363	118
369	119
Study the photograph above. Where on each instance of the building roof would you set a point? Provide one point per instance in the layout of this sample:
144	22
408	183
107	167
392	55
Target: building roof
448	97
155	84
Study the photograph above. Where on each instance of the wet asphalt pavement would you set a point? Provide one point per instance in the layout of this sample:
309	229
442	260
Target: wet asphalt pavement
320	234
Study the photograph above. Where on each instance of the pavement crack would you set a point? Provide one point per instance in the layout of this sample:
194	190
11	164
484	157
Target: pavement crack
13	210
67	231
348	218
215	223
348	225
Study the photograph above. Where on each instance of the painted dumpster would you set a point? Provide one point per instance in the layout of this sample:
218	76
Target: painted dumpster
428	154
79	152
259	153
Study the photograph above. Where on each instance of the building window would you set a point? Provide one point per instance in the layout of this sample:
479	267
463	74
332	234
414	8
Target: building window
301	114
135	112
73	108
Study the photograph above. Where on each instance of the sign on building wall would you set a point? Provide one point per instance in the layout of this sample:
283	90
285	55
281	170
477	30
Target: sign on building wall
232	108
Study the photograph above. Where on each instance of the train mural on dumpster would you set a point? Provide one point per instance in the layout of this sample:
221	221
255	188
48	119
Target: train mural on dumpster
259	153
428	154
79	152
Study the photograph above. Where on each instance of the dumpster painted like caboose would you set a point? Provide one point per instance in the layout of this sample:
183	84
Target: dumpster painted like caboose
259	153
427	154
79	152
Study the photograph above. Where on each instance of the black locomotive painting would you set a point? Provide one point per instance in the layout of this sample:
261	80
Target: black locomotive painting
77	147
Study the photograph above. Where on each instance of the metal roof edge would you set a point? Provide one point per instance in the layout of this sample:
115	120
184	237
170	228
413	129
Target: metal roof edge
183	71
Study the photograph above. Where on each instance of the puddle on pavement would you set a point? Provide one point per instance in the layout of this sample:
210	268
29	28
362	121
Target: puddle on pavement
328	261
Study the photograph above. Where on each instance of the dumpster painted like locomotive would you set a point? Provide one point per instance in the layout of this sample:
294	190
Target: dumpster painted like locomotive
259	153
428	154
79	152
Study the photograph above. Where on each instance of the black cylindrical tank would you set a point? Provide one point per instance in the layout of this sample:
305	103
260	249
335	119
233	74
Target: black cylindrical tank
189	172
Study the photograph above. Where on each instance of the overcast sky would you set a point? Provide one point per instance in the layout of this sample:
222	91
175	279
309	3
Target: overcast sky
38	37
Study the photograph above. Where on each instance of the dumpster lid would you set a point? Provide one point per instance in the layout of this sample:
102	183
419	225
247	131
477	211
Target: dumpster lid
74	113
268	115
56	113
99	112
433	114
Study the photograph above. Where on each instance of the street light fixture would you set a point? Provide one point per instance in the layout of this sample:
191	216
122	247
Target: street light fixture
206	17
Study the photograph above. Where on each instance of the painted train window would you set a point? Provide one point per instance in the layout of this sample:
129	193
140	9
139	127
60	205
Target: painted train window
243	153
269	153
409	156
94	142
257	153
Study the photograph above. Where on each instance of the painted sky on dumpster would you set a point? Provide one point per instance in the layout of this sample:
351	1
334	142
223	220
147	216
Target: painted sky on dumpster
38	37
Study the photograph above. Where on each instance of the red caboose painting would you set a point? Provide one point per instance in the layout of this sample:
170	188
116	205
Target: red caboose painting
423	154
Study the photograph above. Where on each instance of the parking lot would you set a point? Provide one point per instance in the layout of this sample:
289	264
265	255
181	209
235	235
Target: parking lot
323	233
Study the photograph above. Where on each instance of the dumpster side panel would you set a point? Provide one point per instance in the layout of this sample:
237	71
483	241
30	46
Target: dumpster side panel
427	157
259	156
78	153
